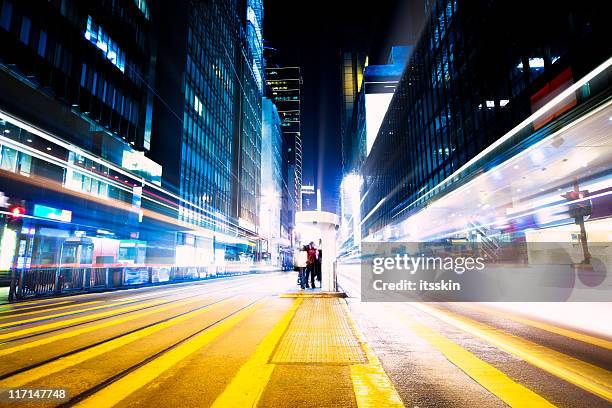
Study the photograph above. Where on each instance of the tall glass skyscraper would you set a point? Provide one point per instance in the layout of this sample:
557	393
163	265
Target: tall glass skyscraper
353	64
271	225
94	57
208	120
248	99
466	84
75	125
284	85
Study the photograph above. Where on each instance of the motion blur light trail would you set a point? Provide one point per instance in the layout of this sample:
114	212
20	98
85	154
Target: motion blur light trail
525	191
124	185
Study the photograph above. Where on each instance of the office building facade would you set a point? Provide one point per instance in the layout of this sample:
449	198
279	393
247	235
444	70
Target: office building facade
248	119
466	84
353	64
284	87
75	120
93	56
271	225
208	123
369	107
309	197
368	90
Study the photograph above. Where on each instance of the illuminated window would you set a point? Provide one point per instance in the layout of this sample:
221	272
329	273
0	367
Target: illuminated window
143	6
534	63
42	43
5	16
95	35
24	35
197	105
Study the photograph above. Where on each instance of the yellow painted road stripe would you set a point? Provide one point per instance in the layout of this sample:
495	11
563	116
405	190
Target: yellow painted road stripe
125	386
586	338
52	316
72	360
35	301
165	293
88	329
79	319
371	385
498	383
584	375
53	309
248	384
19	310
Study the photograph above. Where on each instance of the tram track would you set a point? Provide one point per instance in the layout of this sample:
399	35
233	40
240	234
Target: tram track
10	340
121	374
90	346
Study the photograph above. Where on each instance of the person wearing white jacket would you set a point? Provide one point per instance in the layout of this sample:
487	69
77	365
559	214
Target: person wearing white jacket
301	259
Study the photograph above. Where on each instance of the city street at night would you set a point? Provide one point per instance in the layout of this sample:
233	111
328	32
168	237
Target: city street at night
345	204
244	342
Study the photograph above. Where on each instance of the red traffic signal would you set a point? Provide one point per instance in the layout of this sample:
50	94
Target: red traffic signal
582	208
17	211
575	195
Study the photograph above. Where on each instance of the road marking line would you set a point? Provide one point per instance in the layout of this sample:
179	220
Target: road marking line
52	316
117	391
498	383
35	301
595	380
197	288
371	385
80	319
53	367
154	294
248	384
53	309
586	338
88	329
18	310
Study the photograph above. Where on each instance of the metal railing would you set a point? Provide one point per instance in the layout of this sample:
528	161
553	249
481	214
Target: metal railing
32	282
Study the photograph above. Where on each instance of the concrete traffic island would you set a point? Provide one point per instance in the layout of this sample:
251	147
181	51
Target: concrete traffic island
313	294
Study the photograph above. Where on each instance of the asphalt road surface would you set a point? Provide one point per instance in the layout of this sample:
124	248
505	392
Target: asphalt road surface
242	341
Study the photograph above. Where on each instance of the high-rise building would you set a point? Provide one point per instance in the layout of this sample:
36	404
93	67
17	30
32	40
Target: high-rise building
379	83
271	226
284	87
96	96
93	57
75	125
208	122
309	197
368	104
468	84
247	147
353	64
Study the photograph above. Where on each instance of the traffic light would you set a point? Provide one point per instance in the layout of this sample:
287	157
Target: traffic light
17	211
15	216
580	209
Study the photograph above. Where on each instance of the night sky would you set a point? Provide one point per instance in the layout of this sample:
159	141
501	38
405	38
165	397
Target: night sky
311	34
